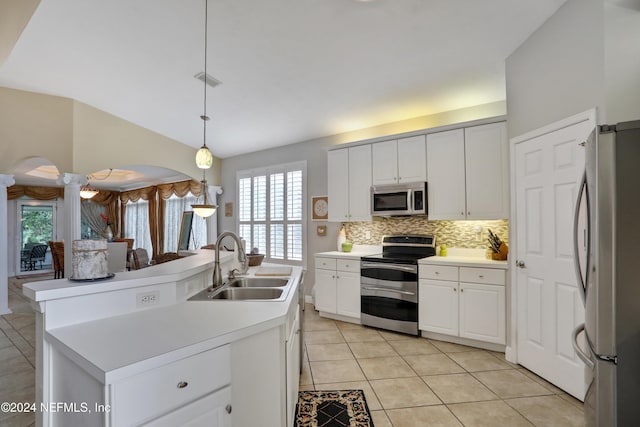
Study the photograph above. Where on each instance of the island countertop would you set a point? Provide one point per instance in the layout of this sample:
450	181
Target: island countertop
171	271
117	347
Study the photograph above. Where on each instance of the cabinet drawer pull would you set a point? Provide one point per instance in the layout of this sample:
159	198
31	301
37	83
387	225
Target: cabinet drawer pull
183	384
437	272
228	408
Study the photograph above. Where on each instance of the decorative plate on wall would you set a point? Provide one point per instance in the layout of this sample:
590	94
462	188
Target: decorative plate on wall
320	208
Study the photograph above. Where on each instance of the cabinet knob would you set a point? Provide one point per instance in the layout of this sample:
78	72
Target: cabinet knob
481	276
228	408
346	265
462	213
468	213
437	272
461	290
454	289
183	384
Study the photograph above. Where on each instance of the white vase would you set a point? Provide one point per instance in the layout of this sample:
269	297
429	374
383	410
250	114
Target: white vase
342	237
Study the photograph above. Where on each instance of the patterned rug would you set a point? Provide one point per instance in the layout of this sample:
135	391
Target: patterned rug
336	408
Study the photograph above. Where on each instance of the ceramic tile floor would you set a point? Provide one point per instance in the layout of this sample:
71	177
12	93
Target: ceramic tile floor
415	382
18	354
408	382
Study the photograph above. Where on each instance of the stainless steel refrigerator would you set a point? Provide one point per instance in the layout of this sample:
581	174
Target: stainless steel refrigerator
610	276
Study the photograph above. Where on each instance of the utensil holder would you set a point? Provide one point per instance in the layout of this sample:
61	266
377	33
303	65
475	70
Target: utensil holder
502	254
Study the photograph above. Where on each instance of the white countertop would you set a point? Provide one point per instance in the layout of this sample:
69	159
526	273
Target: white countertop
463	257
170	271
357	252
116	347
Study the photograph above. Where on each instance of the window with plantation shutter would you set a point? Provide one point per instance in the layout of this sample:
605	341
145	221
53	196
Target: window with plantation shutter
271	211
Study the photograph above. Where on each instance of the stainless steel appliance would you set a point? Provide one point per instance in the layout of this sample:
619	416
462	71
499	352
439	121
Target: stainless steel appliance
389	283
399	199
611	279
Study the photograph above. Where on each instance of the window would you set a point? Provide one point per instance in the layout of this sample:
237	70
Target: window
271	211
174	206
137	224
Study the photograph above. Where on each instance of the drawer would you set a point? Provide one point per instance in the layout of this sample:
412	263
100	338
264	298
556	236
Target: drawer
160	390
349	265
489	276
326	263
438	272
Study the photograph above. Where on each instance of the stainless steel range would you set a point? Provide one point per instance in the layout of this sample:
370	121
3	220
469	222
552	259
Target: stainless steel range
389	283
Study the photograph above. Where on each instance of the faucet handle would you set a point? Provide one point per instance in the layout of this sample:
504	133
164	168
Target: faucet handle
233	272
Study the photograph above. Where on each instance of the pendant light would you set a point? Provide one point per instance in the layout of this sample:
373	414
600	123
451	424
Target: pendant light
204	158
206	209
87	191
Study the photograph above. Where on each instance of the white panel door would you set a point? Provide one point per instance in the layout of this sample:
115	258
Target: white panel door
548	170
385	162
438	306
338	184
412	159
487	171
446	175
359	183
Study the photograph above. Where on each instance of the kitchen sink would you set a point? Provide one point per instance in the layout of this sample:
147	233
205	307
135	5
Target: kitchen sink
257	282
240	294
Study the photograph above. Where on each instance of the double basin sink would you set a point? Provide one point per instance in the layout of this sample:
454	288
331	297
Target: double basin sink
246	289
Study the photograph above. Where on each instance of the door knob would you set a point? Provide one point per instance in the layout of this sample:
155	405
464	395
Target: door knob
520	264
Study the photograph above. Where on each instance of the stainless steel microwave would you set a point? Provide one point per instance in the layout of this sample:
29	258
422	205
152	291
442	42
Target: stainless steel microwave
399	199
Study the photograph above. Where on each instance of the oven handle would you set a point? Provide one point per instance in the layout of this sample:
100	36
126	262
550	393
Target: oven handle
384	266
376	288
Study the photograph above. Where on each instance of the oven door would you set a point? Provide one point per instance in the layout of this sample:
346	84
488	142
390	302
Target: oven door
389	296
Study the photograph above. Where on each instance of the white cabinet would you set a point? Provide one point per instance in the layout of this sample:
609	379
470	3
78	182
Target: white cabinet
145	396
446	176
463	301
337	286
213	410
349	181
293	368
399	161
468	173
487	171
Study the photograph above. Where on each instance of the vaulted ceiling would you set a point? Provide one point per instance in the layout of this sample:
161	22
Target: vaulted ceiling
291	70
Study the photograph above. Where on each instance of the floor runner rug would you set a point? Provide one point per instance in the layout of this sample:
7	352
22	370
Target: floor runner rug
337	408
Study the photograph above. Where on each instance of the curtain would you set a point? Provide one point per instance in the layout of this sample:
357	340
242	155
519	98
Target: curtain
110	201
37	193
90	214
180	189
147	194
137	224
174	207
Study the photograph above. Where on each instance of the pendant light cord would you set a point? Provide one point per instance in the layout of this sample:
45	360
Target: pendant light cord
206	26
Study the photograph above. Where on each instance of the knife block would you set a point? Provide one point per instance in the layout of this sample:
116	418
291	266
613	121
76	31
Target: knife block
502	254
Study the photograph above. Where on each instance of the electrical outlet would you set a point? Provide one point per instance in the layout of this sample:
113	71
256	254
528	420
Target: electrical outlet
367	234
147	299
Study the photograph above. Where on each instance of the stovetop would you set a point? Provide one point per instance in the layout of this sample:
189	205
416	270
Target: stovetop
405	249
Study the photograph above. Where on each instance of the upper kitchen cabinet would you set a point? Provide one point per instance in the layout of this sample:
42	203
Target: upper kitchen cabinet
446	177
399	161
349	183
468	173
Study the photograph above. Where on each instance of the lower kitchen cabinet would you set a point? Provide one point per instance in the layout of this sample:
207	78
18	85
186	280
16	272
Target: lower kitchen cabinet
337	286
212	410
463	301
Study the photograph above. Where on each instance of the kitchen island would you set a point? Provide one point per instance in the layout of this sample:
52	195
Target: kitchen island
133	350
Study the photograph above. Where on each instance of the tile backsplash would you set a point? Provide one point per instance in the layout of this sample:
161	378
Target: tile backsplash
458	234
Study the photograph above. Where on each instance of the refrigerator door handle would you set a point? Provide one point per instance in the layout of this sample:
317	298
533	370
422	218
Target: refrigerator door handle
581	354
582	282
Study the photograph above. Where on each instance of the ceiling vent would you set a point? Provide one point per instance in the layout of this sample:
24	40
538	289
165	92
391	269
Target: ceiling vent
209	80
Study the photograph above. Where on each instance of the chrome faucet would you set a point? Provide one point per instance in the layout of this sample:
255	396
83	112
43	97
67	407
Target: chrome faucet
242	258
